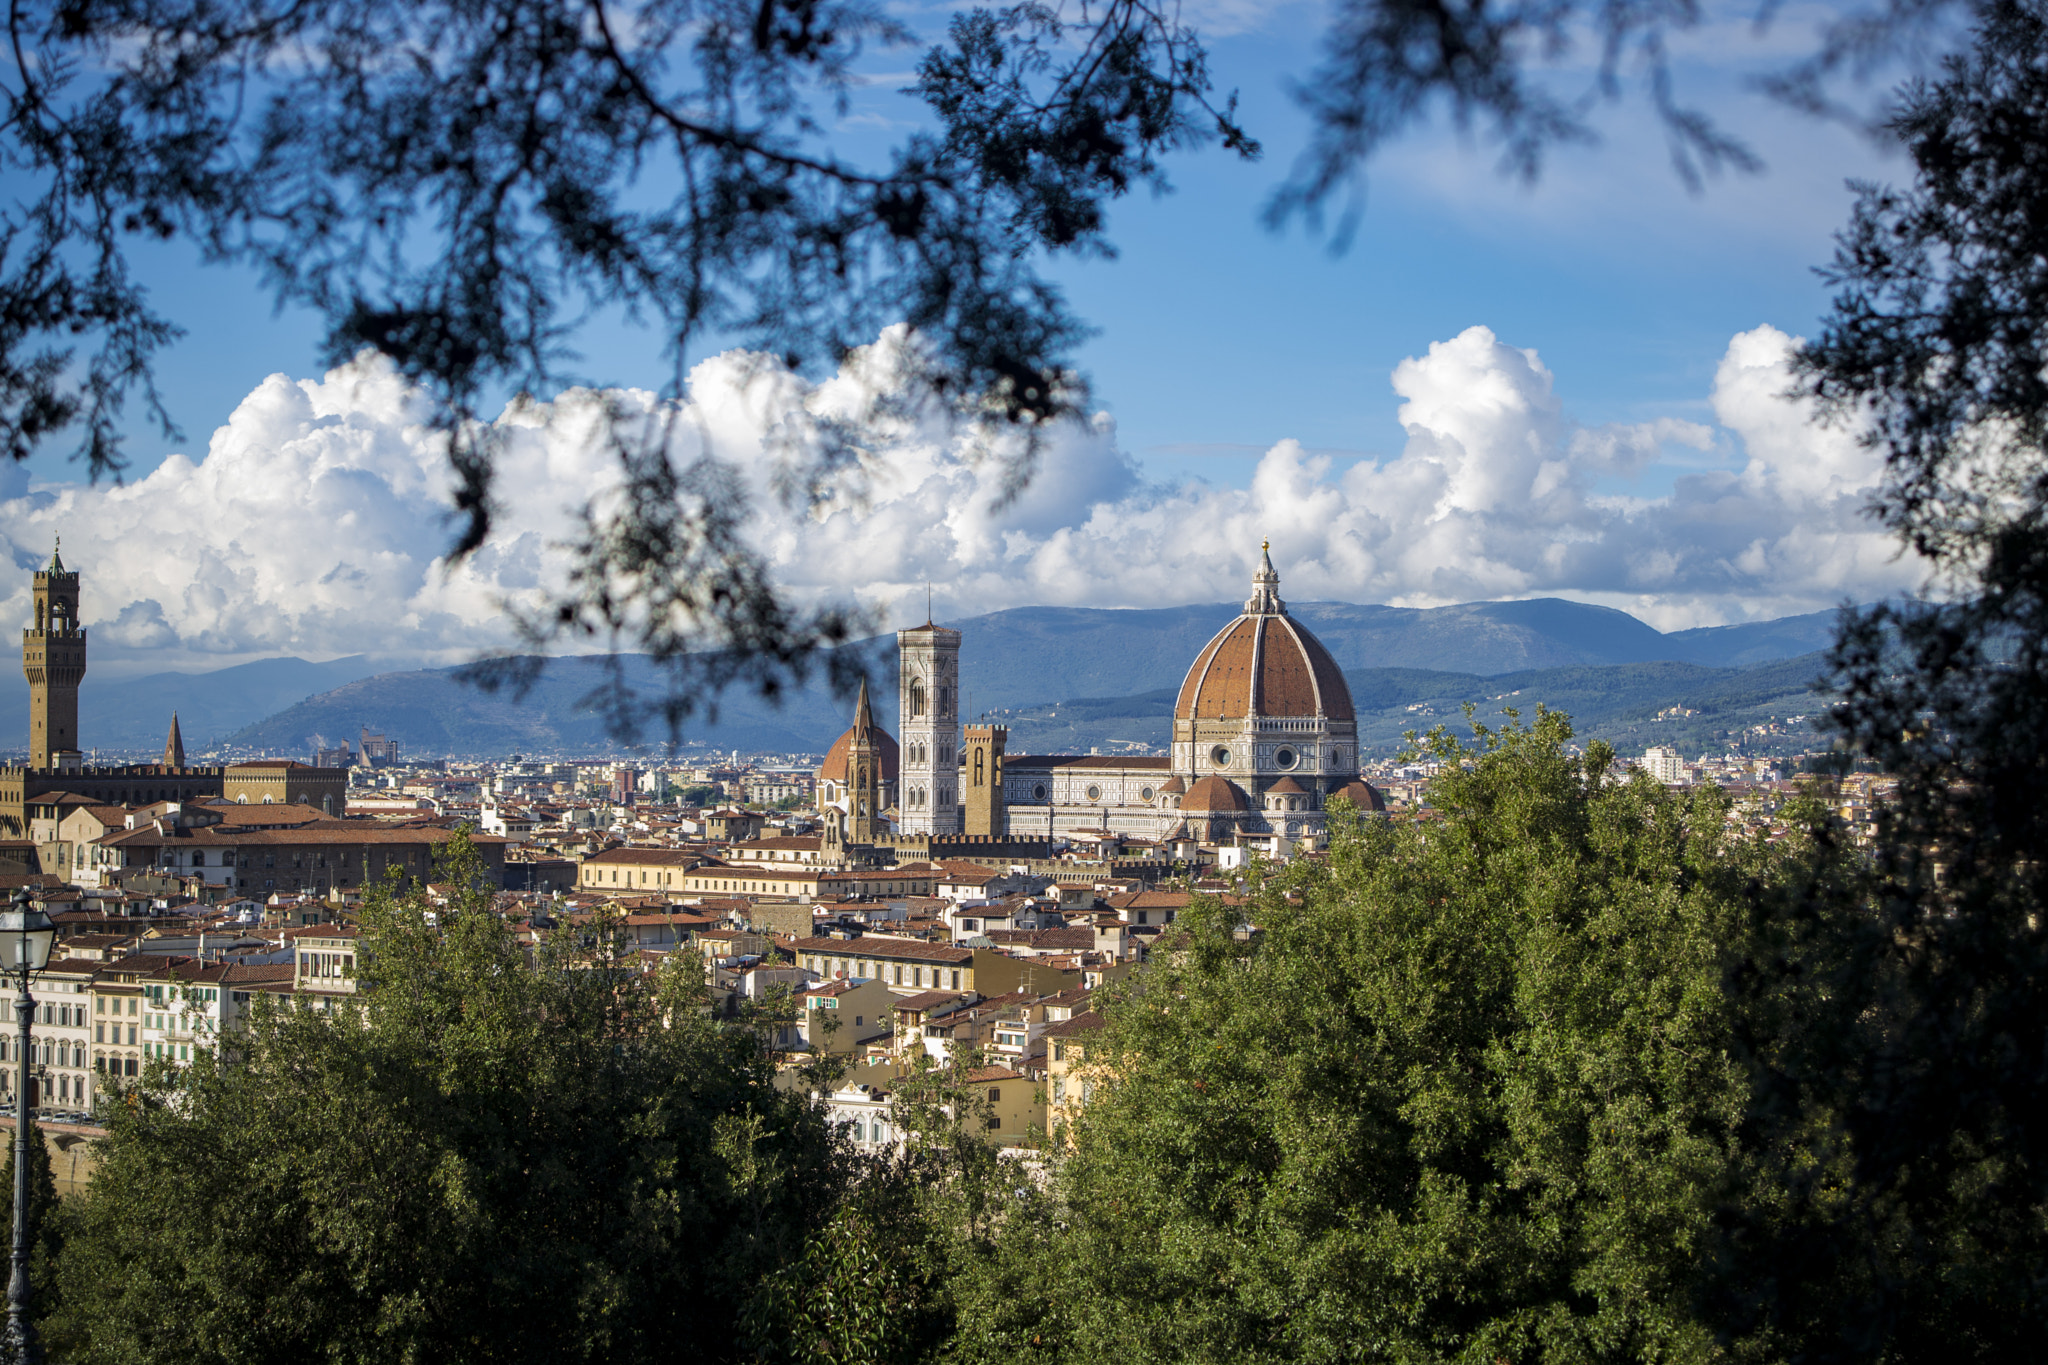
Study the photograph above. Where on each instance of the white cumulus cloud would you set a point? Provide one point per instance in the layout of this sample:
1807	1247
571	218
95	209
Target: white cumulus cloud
316	522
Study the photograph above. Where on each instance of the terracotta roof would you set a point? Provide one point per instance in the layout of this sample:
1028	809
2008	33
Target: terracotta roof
1287	786
235	813
1153	900
925	1000
1173	786
321	832
1044	938
659	857
1075	1027
1215	793
885	947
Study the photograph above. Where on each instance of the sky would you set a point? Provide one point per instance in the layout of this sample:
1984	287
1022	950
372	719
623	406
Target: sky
1569	388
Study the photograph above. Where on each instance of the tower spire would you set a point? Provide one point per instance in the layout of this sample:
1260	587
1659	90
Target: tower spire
864	775
174	746
863	714
1265	598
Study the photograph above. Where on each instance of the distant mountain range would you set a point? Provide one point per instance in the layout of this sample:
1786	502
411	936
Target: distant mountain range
135	713
1026	662
1763	709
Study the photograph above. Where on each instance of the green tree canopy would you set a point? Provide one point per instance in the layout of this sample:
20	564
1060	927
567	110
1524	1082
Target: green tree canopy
487	1156
1501	1084
1937	342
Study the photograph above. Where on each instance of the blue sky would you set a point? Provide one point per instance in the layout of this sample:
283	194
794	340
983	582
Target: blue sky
1219	339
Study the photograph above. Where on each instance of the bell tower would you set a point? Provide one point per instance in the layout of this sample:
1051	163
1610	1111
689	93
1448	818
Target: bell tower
53	658
928	674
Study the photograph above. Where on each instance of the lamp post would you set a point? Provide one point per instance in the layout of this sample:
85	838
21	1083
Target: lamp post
26	936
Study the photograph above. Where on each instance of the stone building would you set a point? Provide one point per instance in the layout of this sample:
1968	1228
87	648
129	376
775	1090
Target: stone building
1263	737
53	659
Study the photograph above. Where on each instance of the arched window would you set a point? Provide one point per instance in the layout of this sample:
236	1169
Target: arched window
977	768
916	697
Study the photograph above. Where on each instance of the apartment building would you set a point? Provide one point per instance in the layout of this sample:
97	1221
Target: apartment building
60	1053
323	857
1069	1080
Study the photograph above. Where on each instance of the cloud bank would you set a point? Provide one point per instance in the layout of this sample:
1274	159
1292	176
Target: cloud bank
315	523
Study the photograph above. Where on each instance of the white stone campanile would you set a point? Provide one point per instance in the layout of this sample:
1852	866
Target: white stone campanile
928	691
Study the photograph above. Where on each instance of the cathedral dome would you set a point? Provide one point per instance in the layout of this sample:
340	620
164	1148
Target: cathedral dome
1264	664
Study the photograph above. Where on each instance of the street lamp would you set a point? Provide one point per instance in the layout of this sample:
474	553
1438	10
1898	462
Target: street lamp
26	936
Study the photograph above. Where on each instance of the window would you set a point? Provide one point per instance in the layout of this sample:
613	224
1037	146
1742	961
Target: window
1094	793
995	1096
1059	1090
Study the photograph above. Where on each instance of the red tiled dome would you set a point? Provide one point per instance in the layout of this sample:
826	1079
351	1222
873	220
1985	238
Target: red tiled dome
1361	794
833	769
837	758
1213	793
1264	664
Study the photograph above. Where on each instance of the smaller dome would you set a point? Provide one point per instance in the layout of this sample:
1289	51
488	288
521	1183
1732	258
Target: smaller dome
1287	786
834	768
1214	793
1173	786
1361	794
838	759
